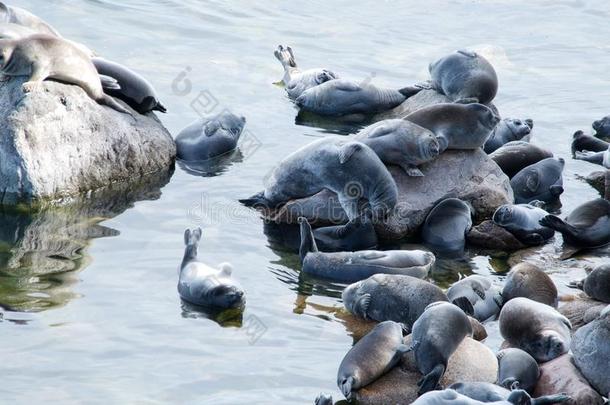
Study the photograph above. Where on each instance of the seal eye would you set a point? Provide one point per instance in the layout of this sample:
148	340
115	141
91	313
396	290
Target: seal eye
518	123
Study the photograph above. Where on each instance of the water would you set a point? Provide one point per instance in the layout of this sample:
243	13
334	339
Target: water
96	317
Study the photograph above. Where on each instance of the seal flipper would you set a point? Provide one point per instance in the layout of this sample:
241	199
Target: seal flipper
362	305
532	239
256	201
160	107
308	242
410	90
347	150
110	102
431	380
588	156
324	399
551	399
556	223
109	83
400	351
412	171
580	284
464	304
346	387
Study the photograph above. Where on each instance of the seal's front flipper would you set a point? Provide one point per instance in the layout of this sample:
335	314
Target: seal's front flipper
551	399
109	83
412	171
308	241
324	399
464	304
430	382
362	305
285	56
577	284
256	201
410	90
588	156
346	387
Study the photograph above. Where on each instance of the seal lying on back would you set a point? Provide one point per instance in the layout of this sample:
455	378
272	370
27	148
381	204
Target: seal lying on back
536	328
464	76
357	234
402	143
582	142
17	15
477	296
371	357
391	297
517	370
208	138
597	283
599	158
541	181
517	155
489	393
349	267
530	281
350	169
42	57
446	226
523	221
296	81
457	126
202	285
508	130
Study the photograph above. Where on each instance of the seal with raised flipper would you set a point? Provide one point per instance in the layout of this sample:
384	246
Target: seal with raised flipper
523	222
599	158
508	130
541	181
517	369
357	234
477	296
583	142
517	155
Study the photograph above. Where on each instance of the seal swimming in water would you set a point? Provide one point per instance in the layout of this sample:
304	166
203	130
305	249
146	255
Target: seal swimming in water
42	57
597	283
357	234
446	226
582	142
391	297
523	222
488	393
371	357
508	130
202	285
402	143
20	16
517	155
530	281
349	267
536	328
482	299
295	80
457	126
517	370
541	181
209	137
350	169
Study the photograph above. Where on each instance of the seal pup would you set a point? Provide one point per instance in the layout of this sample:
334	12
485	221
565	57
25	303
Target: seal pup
599	158
357	234
371	357
391	297
202	285
42	57
488	393
517	370
523	222
350	169
602	127
457	126
597	283
508	130
541	181
536	328
446	226
349	267
477	296
210	137
517	155
402	143
436	335
20	16
582	142
295	80
530	281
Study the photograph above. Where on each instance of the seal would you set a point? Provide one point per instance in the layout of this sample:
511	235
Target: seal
350	169
349	267
357	234
14	31
488	393
541	181
597	283
465	77
517	155
373	356
295	80
20	16
508	130
436	335
582	142
599	158
401	143
135	90
391	297
517	370
446	226
42	57
457	126
587	227
477	296
324	399
210	137
530	281
202	285
523	222
536	328
602	127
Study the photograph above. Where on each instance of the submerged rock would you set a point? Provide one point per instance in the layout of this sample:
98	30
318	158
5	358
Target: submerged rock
488	235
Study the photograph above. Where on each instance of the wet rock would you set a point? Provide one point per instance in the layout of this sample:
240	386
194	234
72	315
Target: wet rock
488	235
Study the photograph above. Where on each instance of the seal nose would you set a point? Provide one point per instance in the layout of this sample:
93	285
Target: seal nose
596	124
300	101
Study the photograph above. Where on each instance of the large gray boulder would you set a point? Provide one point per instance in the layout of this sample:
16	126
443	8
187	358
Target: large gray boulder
57	142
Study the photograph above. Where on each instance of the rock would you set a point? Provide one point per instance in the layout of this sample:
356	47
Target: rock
57	142
581	310
560	375
599	180
488	235
467	175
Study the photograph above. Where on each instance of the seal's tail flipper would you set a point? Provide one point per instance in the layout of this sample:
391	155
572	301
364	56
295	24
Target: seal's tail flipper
464	304
256	201
308	242
285	56
556	223
110	102
160	107
109	83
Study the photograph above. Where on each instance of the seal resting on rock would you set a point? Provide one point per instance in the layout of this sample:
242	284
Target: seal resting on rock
446	227
324	399
508	130
529	281
541	181
489	393
517	370
523	221
597	283
599	158
357	234
477	296
517	155
582	142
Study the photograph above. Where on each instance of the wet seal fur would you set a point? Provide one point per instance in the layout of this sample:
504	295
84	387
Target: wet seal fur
597	283
357	234
517	370
476	295
446	227
508	130
488	393
530	281
582	142
523	222
517	155
541	181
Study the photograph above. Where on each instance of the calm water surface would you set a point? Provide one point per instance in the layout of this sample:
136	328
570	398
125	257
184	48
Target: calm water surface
92	310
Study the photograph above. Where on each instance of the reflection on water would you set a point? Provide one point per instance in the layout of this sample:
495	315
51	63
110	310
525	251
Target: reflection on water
212	167
344	125
232	317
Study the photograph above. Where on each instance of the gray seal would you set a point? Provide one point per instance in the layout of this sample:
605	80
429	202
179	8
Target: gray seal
602	127
583	142
541	181
597	283
42	57
350	169
391	297
203	285
517	370
517	155
457	126
210	137
530	281
599	158
464	76
14	31
477	296
436	335
536	328
295	80
523	222
324	399
371	357
402	143
508	130
20	16
488	393
446	226
357	234
349	267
